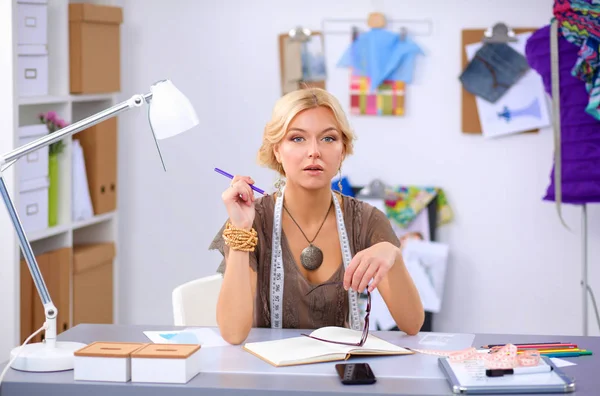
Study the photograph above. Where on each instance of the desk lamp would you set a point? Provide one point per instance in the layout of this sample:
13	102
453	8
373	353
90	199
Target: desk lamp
169	114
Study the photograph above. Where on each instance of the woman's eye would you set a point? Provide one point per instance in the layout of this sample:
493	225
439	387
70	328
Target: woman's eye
329	139
297	139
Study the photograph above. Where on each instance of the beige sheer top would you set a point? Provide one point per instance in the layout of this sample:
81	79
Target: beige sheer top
326	306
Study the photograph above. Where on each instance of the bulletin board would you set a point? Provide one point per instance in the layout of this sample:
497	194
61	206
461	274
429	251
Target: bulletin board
283	38
470	115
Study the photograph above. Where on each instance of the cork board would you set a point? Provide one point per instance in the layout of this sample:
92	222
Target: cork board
470	115
301	84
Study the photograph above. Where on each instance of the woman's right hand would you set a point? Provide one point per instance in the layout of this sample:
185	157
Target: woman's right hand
239	202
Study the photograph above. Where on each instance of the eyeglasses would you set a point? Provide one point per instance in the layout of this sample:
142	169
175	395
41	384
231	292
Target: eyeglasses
365	332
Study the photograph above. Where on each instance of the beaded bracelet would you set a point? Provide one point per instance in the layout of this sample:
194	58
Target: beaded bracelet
239	238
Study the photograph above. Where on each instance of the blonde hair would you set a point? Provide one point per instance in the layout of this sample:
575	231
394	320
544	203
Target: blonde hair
288	107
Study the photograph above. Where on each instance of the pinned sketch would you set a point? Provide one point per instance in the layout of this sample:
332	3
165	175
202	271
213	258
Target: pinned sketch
533	110
313	59
522	108
426	262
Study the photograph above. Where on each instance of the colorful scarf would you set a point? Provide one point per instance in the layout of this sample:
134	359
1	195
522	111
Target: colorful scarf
579	21
404	203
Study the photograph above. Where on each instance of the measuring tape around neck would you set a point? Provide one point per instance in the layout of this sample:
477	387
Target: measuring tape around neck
277	270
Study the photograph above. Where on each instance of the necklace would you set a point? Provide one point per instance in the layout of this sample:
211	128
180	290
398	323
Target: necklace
311	257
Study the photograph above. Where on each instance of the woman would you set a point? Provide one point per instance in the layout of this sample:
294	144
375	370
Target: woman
270	278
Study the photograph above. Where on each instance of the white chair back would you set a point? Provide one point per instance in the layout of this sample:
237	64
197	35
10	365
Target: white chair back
195	302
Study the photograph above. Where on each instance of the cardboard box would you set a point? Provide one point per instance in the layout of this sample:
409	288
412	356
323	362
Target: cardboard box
165	363
55	267
105	361
93	283
33	204
94	48
32	70
99	144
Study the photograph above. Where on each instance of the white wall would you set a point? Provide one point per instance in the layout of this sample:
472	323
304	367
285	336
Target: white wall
513	268
9	289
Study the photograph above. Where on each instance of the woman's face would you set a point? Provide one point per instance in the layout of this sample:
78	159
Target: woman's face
312	150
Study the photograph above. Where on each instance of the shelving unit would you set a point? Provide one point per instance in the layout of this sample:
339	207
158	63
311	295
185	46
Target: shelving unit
71	108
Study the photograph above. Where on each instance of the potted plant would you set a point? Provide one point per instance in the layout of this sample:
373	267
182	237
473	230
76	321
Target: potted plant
53	123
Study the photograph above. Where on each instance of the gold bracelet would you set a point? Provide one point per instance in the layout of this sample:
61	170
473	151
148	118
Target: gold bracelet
239	238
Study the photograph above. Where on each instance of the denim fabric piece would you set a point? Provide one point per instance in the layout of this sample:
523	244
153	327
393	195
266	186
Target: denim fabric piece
493	70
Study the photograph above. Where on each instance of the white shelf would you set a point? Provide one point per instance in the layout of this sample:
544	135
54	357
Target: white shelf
63	228
94	220
54	99
48	232
48	99
92	97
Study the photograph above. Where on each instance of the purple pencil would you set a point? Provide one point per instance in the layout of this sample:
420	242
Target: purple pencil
258	190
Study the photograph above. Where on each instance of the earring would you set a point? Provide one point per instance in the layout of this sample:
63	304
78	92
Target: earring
339	183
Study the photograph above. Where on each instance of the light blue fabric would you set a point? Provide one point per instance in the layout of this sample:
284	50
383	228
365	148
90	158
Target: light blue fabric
381	55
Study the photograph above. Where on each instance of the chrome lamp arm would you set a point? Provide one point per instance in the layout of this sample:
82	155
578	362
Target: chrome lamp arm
170	113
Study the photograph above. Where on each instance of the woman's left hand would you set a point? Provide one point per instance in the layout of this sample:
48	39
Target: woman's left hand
371	263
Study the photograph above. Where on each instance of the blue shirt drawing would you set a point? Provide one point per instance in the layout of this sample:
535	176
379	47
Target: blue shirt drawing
381	55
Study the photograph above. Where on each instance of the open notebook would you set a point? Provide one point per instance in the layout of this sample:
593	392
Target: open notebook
305	350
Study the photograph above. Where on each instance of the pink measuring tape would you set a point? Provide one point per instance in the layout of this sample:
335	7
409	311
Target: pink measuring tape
498	358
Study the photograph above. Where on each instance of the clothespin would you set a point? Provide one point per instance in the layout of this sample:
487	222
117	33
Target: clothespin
299	33
499	33
355	33
403	32
375	189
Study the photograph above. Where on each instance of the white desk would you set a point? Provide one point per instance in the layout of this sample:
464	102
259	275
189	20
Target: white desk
232	371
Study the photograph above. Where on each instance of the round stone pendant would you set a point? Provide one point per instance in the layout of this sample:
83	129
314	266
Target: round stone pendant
311	257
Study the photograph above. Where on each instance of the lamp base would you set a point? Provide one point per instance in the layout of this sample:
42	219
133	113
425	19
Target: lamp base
40	357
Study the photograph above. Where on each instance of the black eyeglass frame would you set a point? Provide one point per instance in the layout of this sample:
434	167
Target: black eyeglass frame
365	333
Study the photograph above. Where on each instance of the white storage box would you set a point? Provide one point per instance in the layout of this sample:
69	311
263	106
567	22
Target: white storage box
104	361
35	164
165	363
33	204
32	70
32	22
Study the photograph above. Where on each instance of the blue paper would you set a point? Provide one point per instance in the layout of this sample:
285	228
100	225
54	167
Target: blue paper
381	55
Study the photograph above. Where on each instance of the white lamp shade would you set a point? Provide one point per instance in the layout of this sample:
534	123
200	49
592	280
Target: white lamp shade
170	111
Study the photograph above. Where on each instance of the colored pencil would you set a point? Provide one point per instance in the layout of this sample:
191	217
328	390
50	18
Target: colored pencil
527	344
230	176
540	346
567	354
547	351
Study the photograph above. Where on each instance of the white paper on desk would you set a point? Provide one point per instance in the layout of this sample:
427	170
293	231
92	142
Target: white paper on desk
562	363
523	106
472	373
437	339
204	336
